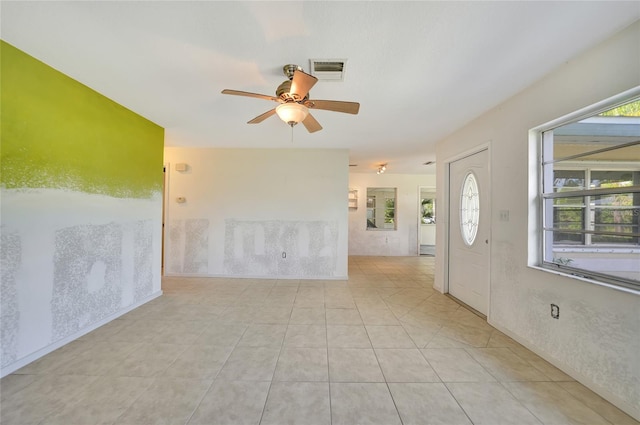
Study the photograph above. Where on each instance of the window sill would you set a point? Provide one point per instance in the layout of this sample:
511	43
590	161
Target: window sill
591	281
598	249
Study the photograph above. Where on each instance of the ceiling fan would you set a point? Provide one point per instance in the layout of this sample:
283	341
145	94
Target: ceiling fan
293	96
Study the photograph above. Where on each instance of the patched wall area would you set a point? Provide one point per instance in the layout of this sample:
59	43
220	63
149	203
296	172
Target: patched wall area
10	261
257	212
279	248
81	209
189	242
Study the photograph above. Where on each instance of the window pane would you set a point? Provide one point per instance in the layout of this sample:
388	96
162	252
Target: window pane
428	210
568	213
381	208
615	213
626	153
389	210
564	180
568	218
611	178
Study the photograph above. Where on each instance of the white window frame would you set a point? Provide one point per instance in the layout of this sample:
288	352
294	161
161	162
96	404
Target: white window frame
537	210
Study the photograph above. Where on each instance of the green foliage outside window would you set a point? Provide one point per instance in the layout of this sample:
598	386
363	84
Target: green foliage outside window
629	110
389	210
428	211
611	213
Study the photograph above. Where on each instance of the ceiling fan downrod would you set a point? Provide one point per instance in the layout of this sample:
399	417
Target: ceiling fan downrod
290	69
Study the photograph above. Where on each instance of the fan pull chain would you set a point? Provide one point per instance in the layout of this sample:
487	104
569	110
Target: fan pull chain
292	134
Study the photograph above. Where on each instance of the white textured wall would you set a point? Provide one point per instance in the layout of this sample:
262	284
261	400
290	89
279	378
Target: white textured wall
245	207
72	261
399	242
597	338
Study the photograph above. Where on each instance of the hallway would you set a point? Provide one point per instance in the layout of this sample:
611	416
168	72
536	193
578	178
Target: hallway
381	348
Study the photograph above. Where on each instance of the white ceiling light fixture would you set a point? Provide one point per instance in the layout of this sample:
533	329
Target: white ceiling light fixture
292	113
382	168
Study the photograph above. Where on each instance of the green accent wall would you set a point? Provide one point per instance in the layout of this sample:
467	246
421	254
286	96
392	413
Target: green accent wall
59	133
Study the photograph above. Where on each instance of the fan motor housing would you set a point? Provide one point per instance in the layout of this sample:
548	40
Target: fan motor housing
283	88
284	92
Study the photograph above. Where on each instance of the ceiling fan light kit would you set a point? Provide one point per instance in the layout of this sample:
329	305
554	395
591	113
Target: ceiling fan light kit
293	96
292	113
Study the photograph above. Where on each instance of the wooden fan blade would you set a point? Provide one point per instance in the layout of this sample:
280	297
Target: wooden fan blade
302	83
248	94
262	117
311	124
334	105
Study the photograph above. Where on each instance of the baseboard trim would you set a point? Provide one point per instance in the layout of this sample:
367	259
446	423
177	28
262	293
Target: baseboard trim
629	409
262	277
6	370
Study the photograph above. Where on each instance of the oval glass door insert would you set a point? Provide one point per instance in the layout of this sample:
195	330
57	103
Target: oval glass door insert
469	208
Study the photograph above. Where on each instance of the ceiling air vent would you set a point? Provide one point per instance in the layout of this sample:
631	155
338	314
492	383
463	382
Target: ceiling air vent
328	69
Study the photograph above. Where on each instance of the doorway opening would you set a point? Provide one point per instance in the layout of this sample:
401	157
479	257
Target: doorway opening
165	189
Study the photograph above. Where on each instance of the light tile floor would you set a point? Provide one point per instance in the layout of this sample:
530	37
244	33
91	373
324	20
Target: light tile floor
381	348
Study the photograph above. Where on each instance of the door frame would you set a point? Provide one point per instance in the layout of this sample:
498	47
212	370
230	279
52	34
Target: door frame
447	211
165	215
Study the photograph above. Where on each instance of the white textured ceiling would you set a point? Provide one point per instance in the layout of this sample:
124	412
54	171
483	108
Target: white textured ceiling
420	70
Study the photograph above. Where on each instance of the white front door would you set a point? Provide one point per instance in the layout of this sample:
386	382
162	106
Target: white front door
469	230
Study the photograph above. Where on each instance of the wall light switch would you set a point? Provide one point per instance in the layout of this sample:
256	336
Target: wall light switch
181	166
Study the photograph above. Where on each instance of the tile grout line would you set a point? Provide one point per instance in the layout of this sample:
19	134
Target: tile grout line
213	381
326	330
457	402
384	377
520	403
266	400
